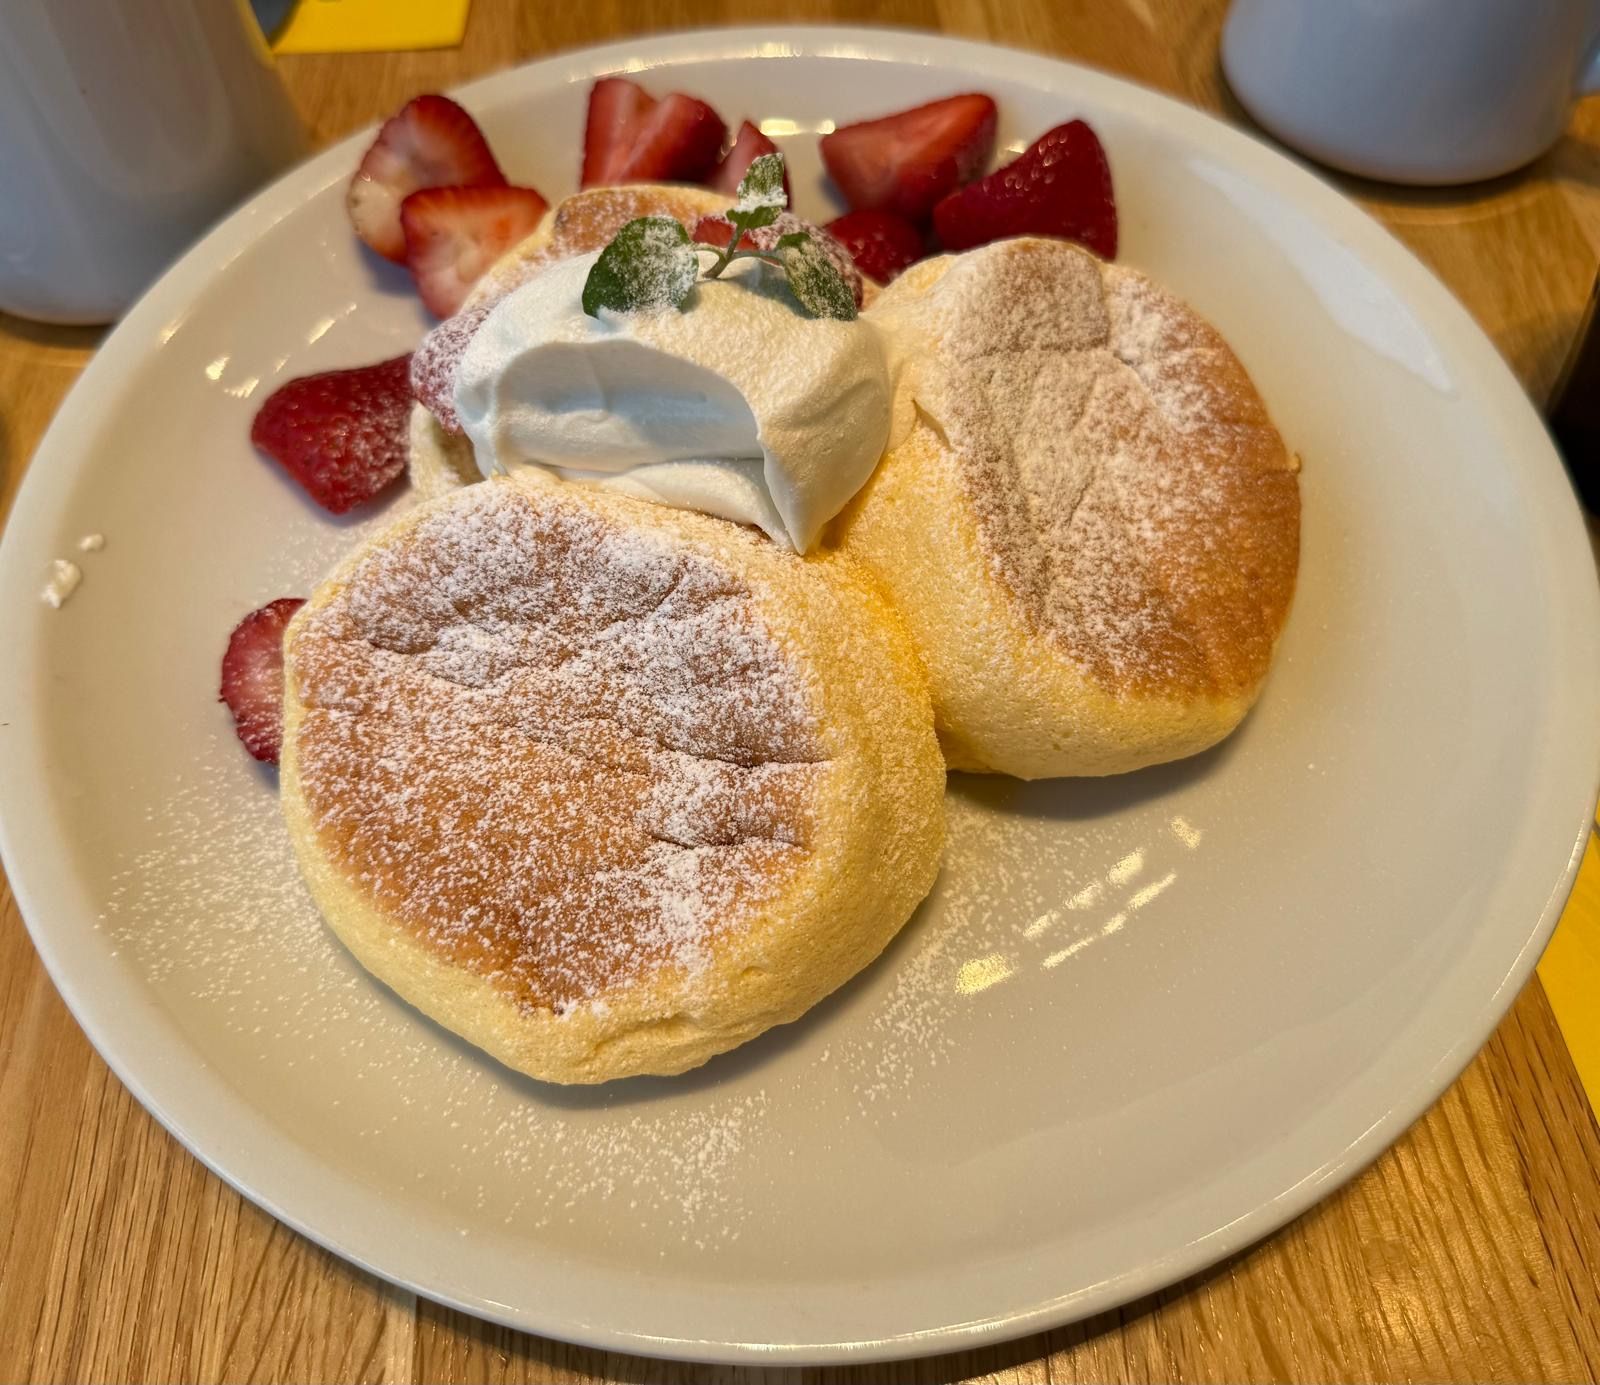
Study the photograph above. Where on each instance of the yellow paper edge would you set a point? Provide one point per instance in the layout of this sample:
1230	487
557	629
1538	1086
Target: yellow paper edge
1570	974
368	26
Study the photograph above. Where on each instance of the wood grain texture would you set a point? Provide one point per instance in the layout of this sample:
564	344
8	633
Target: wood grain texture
1469	1252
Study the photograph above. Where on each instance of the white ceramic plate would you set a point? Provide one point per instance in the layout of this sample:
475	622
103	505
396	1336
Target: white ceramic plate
1140	1024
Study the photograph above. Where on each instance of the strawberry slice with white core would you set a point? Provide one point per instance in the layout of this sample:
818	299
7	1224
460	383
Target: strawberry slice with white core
748	146
904	163
430	143
454	234
252	677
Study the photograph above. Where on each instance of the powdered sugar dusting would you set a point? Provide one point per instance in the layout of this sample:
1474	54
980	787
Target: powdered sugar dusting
563	752
211	911
788	224
990	879
434	362
1127	483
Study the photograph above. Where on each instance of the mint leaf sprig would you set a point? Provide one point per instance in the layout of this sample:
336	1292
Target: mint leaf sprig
761	200
651	263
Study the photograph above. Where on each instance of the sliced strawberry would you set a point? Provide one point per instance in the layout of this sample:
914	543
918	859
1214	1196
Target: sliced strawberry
632	138
252	677
454	234
342	435
881	243
677	142
431	143
750	145
1059	186
715	230
905	163
616	106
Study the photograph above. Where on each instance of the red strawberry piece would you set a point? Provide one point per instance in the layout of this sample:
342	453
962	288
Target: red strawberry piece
343	435
715	230
712	230
252	677
881	243
750	145
616	107
677	142
434	362
905	163
632	138
1059	186
454	234
431	143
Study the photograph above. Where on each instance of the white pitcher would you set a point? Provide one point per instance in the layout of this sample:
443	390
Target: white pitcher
126	128
1414	91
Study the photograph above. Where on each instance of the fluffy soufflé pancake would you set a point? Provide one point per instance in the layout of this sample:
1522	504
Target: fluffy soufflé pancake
606	788
1091	525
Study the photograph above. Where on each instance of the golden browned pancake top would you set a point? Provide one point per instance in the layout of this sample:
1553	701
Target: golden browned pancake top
561	751
1129	488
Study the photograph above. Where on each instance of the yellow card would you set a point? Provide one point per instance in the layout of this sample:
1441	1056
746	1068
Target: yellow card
371	26
1570	974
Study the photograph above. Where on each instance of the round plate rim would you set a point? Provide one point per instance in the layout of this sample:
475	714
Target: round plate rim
45	481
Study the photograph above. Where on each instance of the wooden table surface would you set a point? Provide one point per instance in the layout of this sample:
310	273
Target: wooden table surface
1470	1251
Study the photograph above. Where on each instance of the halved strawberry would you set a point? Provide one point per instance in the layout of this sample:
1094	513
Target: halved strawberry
1059	186
677	142
631	138
749	146
252	677
343	435
716	230
905	163
880	243
616	106
454	234
431	143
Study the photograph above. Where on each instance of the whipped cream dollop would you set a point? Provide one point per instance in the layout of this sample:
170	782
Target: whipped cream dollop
737	404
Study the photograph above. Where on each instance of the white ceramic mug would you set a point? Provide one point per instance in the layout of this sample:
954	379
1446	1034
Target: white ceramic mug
126	128
1414	91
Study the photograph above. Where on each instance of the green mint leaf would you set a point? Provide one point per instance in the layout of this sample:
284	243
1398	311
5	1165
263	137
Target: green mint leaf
813	280
762	186
649	264
753	218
